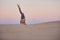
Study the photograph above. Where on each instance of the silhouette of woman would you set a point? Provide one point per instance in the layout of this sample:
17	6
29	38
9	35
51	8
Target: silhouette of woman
22	21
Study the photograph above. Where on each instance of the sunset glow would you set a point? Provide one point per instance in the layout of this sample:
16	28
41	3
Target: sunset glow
36	11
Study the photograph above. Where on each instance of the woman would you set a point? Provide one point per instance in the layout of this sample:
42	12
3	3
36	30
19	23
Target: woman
22	21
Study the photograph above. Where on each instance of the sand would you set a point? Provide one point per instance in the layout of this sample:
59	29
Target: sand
42	31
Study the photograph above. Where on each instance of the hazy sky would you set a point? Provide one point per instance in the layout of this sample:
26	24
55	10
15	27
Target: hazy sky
36	11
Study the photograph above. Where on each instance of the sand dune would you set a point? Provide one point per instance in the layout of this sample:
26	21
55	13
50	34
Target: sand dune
42	31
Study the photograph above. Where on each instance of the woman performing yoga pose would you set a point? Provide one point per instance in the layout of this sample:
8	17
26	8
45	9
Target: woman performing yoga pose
22	21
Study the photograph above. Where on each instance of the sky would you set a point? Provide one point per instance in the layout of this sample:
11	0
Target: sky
36	11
